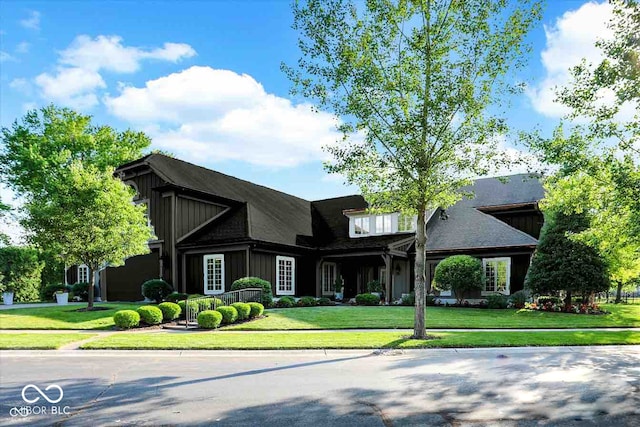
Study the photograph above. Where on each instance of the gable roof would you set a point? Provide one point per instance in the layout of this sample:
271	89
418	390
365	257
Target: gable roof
273	216
507	190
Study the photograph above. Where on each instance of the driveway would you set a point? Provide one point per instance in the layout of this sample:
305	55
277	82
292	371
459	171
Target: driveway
520	386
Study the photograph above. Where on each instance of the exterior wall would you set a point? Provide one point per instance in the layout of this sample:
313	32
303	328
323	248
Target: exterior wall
191	213
160	221
263	265
529	221
124	283
401	278
234	268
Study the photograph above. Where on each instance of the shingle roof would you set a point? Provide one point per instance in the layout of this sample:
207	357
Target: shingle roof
516	189
274	216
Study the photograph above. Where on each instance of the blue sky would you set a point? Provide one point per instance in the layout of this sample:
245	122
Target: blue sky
203	78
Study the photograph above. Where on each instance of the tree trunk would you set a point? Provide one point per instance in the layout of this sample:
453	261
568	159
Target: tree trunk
618	292
419	331
567	302
92	283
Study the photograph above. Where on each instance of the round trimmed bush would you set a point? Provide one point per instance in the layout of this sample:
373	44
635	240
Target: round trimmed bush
156	289
243	310
126	319
229	314
307	302
170	310
461	274
209	319
367	299
256	309
183	307
255	282
497	301
285	302
176	296
151	315
325	301
81	290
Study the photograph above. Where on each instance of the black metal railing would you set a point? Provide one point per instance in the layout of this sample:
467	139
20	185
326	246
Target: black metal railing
195	305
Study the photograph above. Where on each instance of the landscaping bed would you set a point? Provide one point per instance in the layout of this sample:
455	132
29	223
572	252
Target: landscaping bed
356	340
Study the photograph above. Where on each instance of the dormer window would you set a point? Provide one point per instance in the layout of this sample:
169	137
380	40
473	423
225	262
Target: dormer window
362	225
383	224
406	223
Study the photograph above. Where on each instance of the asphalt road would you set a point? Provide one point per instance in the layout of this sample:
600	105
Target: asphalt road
537	386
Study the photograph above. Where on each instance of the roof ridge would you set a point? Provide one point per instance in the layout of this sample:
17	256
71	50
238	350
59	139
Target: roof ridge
230	176
337	197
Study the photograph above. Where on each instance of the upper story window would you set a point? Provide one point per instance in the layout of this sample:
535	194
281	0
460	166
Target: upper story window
362	225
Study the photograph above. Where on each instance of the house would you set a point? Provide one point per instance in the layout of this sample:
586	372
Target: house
213	228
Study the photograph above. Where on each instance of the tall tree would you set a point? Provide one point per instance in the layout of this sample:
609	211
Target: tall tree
41	158
89	219
563	264
413	82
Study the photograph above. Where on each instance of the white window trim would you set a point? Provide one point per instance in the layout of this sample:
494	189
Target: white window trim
335	276
205	276
293	275
372	224
507	291
82	266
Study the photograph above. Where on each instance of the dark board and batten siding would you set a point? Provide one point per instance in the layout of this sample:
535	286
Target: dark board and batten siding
192	213
263	265
529	222
234	268
125	283
146	182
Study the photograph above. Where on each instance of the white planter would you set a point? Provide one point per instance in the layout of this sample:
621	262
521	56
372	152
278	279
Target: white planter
63	298
339	296
7	297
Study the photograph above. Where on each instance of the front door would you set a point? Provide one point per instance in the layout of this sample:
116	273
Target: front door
350	277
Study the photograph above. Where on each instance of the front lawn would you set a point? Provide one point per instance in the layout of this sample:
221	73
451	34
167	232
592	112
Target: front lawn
39	341
345	317
61	317
354	340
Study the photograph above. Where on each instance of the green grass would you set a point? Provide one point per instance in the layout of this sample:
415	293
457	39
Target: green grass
39	341
437	317
354	340
61	317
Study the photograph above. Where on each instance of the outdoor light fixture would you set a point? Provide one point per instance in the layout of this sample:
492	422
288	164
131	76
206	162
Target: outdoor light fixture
443	215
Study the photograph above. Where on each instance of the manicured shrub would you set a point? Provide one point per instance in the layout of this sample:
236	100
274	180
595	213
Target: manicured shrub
170	310
544	300
497	301
409	299
561	263
149	314
176	296
307	302
126	319
20	272
325	301
156	289
367	299
209	319
256	309
255	282
81	290
183	308
48	292
285	302
460	273
519	299
229	314
243	309
374	286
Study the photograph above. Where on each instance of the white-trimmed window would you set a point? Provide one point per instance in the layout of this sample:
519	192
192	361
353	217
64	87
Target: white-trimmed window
498	274
362	225
213	274
383	224
285	275
328	277
83	274
406	223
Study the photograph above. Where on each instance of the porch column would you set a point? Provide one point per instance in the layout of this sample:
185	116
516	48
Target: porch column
387	277
319	277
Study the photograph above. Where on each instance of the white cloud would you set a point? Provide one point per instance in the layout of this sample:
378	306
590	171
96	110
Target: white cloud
78	74
21	85
569	40
23	47
73	87
108	53
6	57
32	22
204	114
